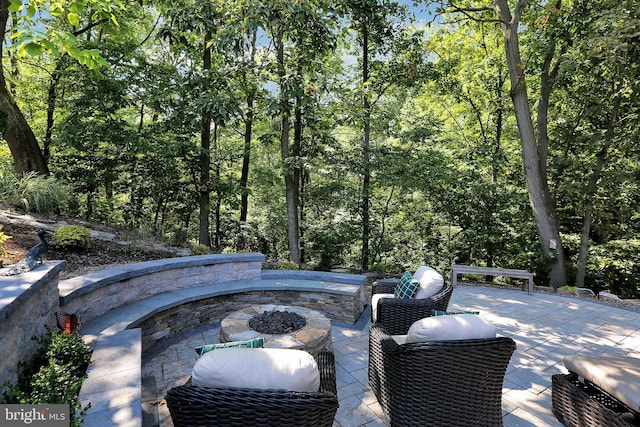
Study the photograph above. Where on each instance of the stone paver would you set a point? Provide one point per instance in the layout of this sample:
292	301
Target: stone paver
545	327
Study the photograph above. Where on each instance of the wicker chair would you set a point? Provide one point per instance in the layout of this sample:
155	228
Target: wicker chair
397	315
439	383
195	406
580	404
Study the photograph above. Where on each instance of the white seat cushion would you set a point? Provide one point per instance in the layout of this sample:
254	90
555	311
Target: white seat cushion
456	327
374	304
430	282
257	368
617	375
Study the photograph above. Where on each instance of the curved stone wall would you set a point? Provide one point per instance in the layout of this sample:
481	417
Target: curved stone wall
28	303
94	294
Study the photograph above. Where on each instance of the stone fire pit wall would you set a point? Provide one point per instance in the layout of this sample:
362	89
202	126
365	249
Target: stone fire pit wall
28	303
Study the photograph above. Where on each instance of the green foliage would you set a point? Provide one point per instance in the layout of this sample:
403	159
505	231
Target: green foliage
55	36
446	166
55	374
384	268
288	265
3	238
199	249
32	192
71	237
619	262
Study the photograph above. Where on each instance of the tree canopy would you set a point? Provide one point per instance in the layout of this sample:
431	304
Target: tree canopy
369	134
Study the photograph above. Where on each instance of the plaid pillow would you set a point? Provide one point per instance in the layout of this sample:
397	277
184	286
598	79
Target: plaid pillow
450	313
406	287
253	343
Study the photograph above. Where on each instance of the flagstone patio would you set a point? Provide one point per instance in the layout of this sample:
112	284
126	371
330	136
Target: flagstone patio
546	327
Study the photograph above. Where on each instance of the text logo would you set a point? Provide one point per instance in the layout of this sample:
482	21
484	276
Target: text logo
34	415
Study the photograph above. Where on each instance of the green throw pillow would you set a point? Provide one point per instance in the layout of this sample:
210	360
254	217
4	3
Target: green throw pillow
253	343
406	287
450	313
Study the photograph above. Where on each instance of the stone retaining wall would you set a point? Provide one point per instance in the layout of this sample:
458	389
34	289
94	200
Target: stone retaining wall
28	303
94	294
189	316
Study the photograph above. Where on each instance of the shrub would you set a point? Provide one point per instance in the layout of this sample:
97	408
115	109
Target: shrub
386	268
199	249
288	265
71	237
32	192
619	262
3	238
55	374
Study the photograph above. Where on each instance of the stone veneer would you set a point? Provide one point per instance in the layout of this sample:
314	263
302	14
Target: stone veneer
28	303
94	294
160	328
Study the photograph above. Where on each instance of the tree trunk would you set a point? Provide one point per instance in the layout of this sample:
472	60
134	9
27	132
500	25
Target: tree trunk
26	153
296	149
290	184
592	187
205	161
366	152
51	107
539	195
217	235
246	157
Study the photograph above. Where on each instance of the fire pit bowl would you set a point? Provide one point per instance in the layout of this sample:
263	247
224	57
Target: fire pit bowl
314	336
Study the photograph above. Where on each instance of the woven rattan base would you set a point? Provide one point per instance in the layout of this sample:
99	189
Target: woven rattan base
397	315
194	406
439	383
576	404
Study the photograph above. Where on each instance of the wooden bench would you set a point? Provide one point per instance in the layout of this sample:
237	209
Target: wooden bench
458	269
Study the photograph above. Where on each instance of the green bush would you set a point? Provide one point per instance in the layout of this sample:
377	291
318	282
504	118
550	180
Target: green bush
32	192
71	237
199	249
386	268
54	375
619	262
288	265
3	238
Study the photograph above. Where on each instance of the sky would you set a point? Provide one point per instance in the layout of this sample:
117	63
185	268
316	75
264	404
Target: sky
423	12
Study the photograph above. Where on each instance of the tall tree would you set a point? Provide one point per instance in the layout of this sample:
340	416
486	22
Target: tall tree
533	154
379	25
535	172
39	34
205	153
27	155
606	37
298	32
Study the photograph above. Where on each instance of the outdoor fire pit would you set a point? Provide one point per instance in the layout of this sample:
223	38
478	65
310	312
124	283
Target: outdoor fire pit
281	326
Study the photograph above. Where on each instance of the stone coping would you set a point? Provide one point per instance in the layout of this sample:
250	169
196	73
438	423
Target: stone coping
14	290
81	285
327	276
